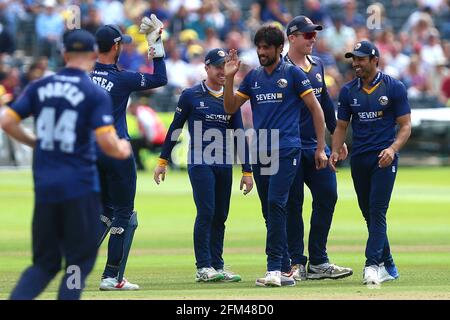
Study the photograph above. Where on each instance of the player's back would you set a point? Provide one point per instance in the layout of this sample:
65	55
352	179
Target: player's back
65	107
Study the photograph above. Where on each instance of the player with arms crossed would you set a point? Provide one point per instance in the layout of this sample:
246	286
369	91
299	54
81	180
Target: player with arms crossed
118	177
375	103
67	108
274	90
211	180
301	33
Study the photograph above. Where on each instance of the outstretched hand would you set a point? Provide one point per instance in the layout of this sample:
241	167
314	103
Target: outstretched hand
232	63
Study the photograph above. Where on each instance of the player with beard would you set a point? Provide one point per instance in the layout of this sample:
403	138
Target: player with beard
118	177
275	90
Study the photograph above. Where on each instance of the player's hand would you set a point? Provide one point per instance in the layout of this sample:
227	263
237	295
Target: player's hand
160	171
343	153
232	63
248	183
386	157
321	159
334	158
124	147
152	28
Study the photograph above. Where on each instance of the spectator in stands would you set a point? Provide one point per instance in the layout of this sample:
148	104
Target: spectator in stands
316	12
191	6
322	51
179	21
436	78
351	17
130	58
340	39
233	22
49	28
445	91
112	12
385	43
212	40
213	14
415	79
93	21
177	71
200	23
157	8
432	52
134	8
274	10
398	61
7	44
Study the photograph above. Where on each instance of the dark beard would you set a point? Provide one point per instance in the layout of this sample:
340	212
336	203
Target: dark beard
268	63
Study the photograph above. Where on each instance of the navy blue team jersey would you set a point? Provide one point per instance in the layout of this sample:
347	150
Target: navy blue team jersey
275	100
67	107
199	104
120	84
316	76
373	112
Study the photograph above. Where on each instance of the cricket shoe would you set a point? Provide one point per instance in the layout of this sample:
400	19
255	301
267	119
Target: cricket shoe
388	273
229	276
286	280
327	271
111	284
370	275
208	274
298	272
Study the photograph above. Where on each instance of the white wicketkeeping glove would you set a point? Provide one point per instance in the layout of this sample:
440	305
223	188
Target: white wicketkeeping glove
152	28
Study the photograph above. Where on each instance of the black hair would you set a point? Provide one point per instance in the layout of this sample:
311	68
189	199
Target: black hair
269	34
374	56
104	47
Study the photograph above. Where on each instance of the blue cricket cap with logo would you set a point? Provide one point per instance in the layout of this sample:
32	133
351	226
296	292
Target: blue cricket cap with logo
79	40
302	24
215	57
363	49
111	34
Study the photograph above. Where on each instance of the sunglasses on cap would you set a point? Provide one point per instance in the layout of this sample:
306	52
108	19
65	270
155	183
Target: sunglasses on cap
307	35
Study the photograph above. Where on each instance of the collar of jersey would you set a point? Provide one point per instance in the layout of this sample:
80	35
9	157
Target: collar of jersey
206	89
373	85
105	66
308	57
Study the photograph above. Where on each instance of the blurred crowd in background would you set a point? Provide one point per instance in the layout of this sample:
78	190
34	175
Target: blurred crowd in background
413	38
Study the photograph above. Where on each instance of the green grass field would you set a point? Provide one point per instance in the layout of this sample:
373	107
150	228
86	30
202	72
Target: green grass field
162	259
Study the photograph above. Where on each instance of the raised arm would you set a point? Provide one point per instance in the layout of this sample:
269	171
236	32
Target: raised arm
231	101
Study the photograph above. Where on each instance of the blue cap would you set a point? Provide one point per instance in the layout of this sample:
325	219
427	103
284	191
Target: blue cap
79	40
111	34
215	57
301	24
363	49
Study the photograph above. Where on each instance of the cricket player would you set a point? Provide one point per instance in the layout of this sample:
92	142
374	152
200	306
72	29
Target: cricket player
67	109
275	90
118	177
202	107
375	103
301	33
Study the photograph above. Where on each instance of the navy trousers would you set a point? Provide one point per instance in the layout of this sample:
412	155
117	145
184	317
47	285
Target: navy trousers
373	186
69	230
118	183
273	191
211	188
323	187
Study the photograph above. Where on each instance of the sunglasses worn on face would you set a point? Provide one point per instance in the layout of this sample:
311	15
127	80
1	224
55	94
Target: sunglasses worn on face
309	35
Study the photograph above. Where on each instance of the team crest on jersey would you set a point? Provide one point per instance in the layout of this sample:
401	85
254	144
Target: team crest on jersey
383	100
319	77
282	83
